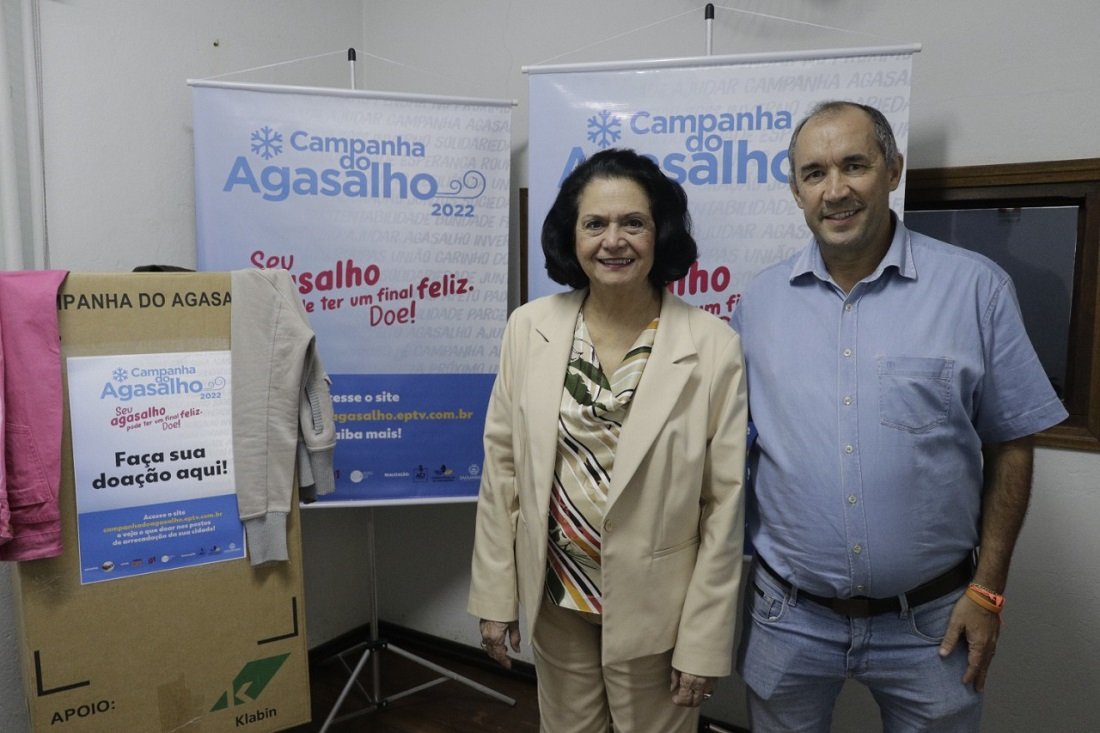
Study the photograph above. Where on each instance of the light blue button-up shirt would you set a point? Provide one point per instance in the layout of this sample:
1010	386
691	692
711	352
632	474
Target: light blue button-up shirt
872	408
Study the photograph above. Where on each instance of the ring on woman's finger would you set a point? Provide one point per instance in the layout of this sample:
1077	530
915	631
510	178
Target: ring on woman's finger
706	695
484	645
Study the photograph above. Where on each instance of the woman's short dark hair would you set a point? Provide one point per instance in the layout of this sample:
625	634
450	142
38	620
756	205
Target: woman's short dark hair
674	249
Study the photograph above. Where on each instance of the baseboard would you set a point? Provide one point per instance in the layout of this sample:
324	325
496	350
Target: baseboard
343	642
418	641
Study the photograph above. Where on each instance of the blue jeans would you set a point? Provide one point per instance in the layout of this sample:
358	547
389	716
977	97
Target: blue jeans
796	654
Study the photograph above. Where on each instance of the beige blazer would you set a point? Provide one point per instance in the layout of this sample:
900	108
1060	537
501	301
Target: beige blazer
673	532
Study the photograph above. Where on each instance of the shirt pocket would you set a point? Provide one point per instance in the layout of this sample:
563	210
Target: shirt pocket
914	392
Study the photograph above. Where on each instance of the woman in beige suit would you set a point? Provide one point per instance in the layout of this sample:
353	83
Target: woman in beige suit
611	502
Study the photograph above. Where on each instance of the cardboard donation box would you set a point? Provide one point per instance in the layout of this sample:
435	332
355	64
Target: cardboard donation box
153	619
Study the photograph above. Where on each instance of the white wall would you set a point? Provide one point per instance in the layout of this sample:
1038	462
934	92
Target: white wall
997	81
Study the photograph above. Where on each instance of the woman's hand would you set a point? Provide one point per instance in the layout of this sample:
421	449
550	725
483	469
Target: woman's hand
688	690
496	636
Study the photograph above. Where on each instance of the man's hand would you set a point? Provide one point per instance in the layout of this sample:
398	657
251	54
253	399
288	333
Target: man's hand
495	638
980	629
688	690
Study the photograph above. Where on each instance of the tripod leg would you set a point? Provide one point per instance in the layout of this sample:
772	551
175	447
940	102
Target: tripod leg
452	675
353	680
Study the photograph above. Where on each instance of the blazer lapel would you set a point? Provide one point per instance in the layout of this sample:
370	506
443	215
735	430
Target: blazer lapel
551	344
670	365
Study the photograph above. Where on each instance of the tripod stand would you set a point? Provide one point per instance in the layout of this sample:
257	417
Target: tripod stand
369	651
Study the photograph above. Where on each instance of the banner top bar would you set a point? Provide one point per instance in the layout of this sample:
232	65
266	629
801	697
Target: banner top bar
358	93
749	58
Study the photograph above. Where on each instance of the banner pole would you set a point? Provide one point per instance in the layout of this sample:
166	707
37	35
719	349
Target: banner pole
708	16
376	642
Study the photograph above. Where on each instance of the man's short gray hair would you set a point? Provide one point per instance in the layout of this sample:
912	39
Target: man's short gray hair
884	134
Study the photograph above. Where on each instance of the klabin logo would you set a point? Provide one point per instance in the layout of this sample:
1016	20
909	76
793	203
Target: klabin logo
250	683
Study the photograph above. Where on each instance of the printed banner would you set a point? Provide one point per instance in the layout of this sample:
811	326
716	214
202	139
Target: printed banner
153	462
719	126
391	215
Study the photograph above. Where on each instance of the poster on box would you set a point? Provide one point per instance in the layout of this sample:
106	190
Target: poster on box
153	462
391	215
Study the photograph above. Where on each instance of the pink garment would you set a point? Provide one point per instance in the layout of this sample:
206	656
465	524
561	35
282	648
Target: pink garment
31	407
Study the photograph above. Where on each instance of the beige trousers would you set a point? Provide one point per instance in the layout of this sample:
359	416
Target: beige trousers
579	694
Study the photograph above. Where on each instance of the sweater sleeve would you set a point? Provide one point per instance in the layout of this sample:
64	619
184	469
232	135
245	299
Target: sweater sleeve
274	368
317	431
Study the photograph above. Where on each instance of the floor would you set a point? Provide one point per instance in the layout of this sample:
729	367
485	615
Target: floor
446	707
417	699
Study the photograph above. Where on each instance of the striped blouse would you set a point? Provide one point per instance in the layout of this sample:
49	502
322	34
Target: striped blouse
592	412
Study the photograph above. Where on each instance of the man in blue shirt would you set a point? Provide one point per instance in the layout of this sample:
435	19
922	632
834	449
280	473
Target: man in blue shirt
895	393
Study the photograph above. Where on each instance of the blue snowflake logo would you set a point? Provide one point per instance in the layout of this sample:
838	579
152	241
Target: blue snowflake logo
603	129
119	374
267	143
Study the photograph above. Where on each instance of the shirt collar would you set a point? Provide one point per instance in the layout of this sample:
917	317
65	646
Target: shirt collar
899	257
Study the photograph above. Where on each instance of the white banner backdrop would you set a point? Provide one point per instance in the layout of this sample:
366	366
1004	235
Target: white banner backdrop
391	214
718	125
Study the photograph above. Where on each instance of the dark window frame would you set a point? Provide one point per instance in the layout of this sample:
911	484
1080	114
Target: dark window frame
1021	185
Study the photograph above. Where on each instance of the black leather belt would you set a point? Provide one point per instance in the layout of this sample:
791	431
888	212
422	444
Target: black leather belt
862	606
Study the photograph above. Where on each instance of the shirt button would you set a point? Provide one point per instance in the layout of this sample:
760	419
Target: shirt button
847	307
847	352
847	400
860	588
608	527
857	549
849	449
852	499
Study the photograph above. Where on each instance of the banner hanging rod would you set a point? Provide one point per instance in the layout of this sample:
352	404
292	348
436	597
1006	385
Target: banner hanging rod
748	58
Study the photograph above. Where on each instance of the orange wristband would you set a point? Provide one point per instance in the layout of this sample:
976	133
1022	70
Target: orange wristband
984	597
